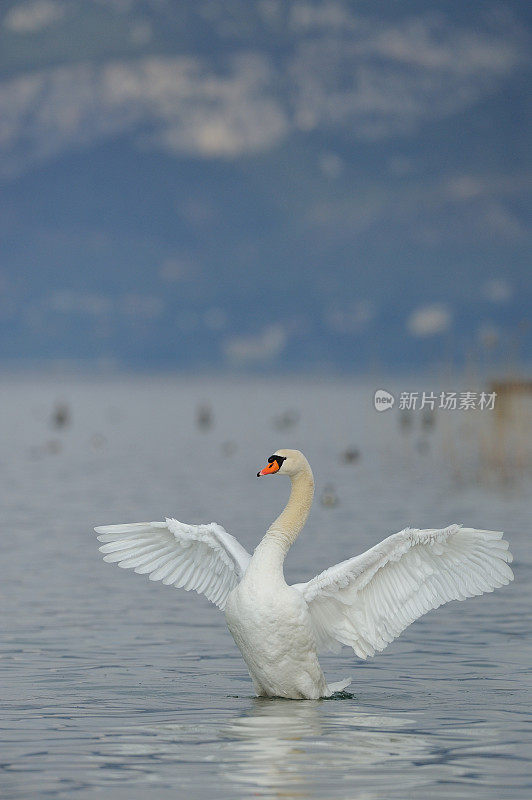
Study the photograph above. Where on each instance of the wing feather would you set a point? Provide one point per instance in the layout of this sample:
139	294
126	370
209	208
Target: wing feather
367	601
201	557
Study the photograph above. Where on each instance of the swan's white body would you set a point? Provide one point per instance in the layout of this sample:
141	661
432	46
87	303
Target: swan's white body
364	602
271	624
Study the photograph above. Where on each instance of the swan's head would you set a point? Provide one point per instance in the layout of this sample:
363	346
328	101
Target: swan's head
285	462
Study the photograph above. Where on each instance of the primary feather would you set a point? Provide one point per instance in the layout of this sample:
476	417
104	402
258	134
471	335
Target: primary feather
367	601
201	557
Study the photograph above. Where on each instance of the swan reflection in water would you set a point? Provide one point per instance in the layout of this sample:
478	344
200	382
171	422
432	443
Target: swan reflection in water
313	748
279	748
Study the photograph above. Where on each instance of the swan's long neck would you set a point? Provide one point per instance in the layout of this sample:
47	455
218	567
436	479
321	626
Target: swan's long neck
284	531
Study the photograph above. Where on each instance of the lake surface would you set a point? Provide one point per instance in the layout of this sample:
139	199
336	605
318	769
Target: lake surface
114	686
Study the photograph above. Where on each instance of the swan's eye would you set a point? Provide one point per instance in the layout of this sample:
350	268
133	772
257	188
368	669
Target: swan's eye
279	460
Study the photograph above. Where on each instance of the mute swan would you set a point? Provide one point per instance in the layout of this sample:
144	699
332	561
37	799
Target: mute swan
364	602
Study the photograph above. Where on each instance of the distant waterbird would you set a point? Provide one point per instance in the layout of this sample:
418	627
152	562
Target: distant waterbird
428	419
351	455
61	415
405	421
286	420
328	497
228	448
204	417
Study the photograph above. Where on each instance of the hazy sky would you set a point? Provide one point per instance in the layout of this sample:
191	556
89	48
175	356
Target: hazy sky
263	185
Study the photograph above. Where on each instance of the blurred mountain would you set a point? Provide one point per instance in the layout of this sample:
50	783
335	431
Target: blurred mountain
280	184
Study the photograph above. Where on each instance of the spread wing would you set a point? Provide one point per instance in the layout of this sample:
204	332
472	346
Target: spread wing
201	557
367	601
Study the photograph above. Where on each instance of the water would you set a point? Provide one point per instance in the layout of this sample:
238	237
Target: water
115	686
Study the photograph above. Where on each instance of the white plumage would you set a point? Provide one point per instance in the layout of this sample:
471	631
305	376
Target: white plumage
364	602
201	557
367	601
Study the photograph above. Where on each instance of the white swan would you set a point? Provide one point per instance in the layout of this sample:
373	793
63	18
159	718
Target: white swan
364	602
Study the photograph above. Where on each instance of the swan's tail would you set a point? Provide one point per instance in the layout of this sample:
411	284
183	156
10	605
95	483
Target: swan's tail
339	686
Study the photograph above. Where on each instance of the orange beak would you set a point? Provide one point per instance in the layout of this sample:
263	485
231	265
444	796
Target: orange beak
269	469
